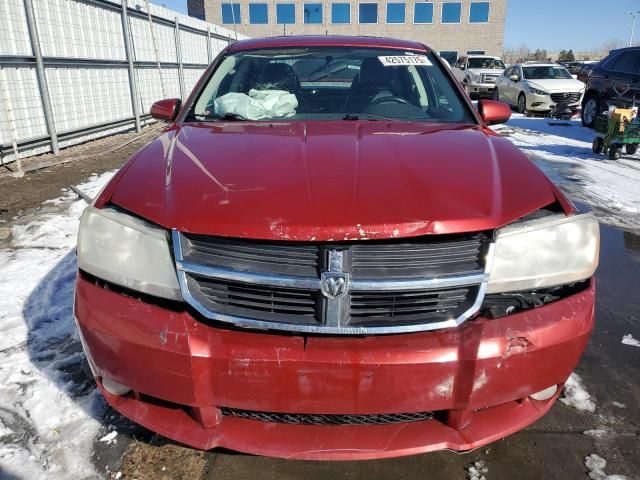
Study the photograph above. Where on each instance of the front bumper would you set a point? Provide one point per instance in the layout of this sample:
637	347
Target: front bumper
482	88
477	377
544	104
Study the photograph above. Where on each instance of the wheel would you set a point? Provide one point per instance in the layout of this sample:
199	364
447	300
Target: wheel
590	110
631	148
598	145
614	152
522	103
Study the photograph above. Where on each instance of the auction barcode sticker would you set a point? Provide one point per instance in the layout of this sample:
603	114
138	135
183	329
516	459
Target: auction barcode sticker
408	60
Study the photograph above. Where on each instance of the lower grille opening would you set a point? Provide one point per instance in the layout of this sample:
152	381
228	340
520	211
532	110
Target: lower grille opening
328	419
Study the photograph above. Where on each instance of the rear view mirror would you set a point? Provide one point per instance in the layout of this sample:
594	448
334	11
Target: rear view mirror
166	109
493	112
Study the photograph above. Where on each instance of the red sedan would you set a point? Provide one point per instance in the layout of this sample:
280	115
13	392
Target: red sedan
328	255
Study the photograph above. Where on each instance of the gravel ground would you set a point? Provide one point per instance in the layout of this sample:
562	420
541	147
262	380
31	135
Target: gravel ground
73	165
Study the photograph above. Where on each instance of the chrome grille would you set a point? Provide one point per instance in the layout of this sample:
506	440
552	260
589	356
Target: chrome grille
417	259
255	301
489	78
381	308
336	288
328	419
566	97
265	257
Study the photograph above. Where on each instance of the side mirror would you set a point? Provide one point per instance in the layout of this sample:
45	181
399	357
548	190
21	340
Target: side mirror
462	67
575	77
493	112
166	109
514	78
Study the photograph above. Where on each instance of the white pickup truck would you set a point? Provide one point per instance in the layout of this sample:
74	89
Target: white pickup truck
478	73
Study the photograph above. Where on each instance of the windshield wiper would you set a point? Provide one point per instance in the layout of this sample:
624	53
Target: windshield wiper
368	116
226	116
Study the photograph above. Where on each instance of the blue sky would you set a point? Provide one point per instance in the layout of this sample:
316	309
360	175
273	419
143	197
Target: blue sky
551	24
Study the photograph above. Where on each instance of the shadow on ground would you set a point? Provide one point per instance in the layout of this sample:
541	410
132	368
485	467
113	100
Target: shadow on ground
55	349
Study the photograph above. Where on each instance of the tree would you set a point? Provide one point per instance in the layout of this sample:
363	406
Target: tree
539	55
566	56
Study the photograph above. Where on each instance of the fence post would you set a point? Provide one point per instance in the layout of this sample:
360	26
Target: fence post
179	57
40	73
209	53
133	91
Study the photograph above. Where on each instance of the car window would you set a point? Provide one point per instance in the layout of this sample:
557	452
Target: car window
486	62
545	72
327	83
508	72
626	62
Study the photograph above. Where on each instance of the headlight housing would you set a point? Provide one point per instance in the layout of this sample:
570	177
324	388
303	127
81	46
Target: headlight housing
127	251
537	91
545	252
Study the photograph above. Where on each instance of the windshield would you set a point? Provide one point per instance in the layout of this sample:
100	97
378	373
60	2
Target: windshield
545	72
329	83
492	63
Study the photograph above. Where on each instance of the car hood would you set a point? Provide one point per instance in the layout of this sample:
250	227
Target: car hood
330	181
558	85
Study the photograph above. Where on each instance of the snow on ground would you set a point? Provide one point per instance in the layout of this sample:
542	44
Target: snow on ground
562	149
596	465
478	471
49	409
575	395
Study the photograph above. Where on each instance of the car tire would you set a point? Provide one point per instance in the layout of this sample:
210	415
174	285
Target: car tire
522	104
614	152
631	148
598	145
590	110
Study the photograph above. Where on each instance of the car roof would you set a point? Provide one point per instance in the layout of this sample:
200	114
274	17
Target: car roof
325	41
540	64
483	56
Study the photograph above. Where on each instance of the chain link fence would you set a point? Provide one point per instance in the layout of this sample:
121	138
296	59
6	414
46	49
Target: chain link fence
74	70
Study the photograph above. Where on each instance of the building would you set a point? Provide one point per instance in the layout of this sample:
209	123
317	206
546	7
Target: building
453	28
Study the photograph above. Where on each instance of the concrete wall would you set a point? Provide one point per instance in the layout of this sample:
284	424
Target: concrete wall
457	37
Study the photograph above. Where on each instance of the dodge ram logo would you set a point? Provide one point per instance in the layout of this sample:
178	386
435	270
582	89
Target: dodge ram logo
334	284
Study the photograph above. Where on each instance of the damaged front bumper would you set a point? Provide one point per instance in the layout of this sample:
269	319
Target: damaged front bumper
208	386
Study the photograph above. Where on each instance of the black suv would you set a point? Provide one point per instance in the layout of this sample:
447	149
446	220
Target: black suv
613	81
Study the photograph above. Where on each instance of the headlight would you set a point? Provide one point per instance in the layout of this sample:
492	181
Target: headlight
127	251
544	253
535	91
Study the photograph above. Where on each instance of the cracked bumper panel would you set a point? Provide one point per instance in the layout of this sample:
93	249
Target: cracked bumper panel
476	378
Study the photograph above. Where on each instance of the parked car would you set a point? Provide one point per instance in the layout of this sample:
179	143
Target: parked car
478	73
583	73
613	81
539	88
346	269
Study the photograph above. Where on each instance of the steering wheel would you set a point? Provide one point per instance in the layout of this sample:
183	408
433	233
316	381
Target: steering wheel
389	99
